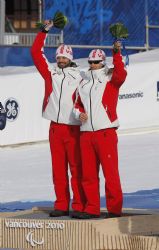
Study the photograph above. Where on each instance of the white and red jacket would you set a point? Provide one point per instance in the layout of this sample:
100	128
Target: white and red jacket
60	86
98	96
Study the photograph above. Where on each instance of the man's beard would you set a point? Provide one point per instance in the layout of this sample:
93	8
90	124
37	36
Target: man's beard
63	65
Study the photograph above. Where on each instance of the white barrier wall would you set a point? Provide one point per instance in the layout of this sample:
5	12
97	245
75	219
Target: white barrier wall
29	126
138	104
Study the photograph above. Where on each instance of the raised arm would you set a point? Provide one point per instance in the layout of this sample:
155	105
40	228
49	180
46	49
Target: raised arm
37	52
41	62
119	72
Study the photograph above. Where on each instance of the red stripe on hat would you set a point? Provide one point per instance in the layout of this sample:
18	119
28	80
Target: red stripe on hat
61	49
100	54
94	53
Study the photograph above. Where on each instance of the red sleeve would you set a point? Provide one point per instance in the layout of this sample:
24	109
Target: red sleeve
119	72
41	64
78	105
74	96
38	56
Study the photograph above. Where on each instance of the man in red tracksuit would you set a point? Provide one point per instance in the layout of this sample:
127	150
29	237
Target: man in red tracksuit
60	84
95	107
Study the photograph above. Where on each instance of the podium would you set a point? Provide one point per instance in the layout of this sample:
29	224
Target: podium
34	229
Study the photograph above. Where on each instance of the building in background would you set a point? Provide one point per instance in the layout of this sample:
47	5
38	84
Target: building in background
21	15
88	25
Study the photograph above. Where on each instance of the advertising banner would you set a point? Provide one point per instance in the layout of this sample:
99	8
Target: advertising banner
22	98
138	105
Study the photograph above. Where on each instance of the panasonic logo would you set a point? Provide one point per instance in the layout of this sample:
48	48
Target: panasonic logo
131	95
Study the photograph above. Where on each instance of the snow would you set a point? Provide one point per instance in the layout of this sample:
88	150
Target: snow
26	170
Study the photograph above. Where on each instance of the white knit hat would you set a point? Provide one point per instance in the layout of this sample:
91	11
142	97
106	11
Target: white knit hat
64	50
97	55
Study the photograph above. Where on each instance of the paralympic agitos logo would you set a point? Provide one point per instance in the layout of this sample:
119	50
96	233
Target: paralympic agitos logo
32	241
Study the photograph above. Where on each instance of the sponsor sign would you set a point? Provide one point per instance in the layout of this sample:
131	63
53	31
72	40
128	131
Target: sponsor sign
139	94
12	109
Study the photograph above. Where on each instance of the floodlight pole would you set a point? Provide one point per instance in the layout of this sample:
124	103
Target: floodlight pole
40	10
147	32
2	21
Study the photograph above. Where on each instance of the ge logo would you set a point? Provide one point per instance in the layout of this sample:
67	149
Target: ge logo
12	109
157	91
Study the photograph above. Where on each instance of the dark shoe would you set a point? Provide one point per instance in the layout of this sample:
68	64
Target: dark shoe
58	213
76	214
85	216
112	215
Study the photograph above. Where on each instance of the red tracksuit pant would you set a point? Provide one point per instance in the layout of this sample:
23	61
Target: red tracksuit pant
100	147
65	150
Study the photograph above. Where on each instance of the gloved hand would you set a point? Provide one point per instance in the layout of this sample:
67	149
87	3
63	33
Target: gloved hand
117	46
48	24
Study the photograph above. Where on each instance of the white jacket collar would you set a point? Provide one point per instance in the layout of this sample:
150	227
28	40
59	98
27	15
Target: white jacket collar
66	70
73	72
96	74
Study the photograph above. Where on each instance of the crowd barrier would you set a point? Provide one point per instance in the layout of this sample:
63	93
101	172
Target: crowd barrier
20	55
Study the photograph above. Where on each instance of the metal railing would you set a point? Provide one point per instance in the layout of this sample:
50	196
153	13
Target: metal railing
148	26
26	39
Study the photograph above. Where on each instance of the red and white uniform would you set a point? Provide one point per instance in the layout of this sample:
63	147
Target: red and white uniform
98	96
60	84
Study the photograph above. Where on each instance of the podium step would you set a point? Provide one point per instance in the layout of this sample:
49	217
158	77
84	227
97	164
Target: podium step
34	229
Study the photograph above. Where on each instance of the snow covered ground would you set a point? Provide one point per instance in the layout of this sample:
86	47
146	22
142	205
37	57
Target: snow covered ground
26	176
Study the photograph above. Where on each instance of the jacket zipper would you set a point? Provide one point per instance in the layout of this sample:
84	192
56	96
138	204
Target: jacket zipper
85	84
60	97
91	102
